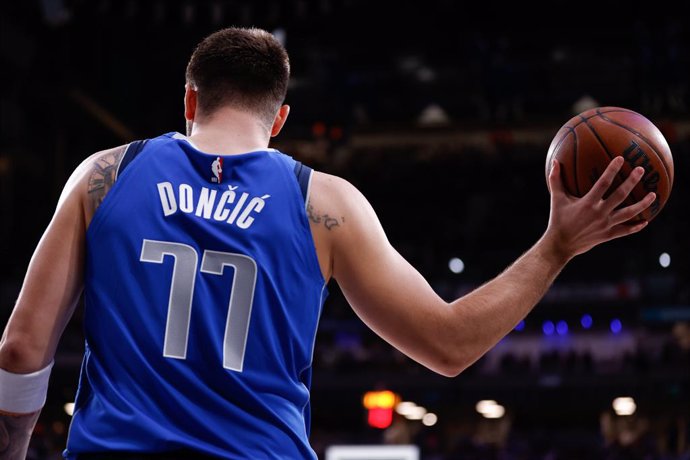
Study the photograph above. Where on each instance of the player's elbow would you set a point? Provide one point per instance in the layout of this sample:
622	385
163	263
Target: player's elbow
447	370
452	352
19	355
449	366
446	360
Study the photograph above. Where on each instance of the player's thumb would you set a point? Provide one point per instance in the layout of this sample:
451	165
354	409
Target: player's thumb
555	180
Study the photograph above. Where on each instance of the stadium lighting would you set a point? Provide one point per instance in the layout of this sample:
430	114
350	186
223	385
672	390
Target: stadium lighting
380	405
548	327
429	419
405	407
69	408
624	405
385	399
456	265
496	411
485	405
562	328
490	409
412	411
665	260
416	413
586	321
616	326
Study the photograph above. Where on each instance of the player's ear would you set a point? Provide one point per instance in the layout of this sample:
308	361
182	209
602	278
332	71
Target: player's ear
190	100
279	121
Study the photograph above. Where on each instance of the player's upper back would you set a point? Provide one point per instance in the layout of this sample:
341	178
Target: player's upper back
201	269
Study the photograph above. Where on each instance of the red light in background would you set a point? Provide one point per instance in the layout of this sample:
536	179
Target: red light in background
380	418
318	129
380	405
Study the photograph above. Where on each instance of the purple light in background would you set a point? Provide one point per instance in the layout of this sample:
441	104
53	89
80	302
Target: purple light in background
616	325
562	328
586	321
548	328
520	326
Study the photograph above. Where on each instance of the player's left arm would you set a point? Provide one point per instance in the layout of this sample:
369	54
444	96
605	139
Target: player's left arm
49	295
396	302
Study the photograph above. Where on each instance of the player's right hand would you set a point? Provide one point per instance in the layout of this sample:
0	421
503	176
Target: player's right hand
578	224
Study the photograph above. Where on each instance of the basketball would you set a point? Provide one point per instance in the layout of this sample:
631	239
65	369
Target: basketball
589	141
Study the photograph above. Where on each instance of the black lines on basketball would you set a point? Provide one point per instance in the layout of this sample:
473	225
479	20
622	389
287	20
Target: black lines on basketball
601	110
598	112
642	137
629	199
601	142
565	136
604	133
577	182
649	144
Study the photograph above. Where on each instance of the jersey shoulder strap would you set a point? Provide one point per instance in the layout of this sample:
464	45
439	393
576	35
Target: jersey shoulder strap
133	149
303	174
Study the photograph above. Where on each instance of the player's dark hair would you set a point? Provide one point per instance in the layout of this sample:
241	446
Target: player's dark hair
244	68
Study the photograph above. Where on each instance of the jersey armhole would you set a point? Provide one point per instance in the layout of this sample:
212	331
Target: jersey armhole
303	174
133	149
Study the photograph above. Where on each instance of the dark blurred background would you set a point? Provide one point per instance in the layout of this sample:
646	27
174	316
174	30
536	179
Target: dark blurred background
441	113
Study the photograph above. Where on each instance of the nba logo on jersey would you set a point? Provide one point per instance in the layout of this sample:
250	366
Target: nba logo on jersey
217	169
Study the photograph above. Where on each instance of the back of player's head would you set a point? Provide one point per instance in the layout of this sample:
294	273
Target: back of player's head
243	68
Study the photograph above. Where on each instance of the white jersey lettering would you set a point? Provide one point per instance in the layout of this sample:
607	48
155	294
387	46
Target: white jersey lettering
207	204
168	203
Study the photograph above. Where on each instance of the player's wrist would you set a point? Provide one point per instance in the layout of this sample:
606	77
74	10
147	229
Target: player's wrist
554	248
24	393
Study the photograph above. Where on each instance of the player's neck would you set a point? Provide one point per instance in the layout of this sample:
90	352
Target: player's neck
229	132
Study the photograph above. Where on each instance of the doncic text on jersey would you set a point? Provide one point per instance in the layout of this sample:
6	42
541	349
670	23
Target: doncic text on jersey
211	204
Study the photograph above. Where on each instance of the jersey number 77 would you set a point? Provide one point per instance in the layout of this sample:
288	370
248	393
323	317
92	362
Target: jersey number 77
182	291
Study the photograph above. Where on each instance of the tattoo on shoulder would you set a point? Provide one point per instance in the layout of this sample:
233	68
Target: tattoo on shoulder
103	174
327	220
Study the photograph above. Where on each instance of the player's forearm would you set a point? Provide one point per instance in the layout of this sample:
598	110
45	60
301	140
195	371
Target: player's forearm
15	433
21	398
483	317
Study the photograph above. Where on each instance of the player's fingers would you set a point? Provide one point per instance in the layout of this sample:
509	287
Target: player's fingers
625	214
604	183
555	180
622	230
621	193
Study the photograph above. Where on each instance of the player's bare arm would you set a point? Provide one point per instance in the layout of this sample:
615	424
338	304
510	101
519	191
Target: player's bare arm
394	300
328	221
102	176
51	289
15	433
326	215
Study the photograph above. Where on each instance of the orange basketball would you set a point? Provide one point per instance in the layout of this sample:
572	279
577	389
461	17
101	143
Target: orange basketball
589	141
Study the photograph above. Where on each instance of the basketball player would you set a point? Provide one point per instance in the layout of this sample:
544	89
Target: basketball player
204	260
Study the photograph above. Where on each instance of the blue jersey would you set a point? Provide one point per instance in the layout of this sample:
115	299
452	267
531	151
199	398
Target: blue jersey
202	299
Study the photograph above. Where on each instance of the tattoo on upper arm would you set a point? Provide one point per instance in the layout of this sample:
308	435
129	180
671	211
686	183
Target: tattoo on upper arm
103	175
328	221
